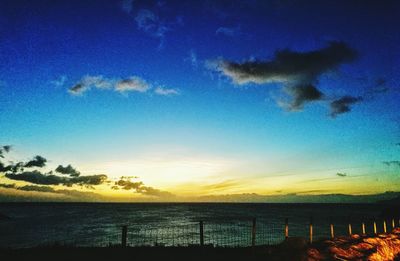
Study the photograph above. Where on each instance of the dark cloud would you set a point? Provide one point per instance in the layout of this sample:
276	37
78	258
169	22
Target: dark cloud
301	95
380	86
343	105
4	149
287	65
15	167
77	88
37	161
150	191
36	177
89	180
4	168
341	174
127	184
297	71
393	162
68	170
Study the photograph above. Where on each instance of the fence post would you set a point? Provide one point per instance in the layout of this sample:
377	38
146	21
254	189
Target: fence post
124	235
350	230
201	233
375	232
311	230
253	233
363	228
286	228
384	226
332	230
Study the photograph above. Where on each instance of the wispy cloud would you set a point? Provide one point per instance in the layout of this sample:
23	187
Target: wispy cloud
166	92
192	58
130	84
88	82
60	81
127	6
150	23
229	31
392	163
150	19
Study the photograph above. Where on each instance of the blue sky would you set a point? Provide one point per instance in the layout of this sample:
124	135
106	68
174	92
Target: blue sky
178	100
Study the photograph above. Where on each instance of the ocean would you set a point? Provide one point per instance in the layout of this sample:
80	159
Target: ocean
224	224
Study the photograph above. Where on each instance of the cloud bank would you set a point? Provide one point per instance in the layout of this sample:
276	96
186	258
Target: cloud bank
68	177
37	177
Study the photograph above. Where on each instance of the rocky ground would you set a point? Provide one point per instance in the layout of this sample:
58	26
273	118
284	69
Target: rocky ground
383	247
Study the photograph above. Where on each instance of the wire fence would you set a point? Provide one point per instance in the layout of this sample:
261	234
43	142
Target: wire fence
227	234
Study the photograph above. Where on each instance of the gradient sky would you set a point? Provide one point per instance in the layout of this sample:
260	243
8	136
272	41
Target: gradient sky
139	88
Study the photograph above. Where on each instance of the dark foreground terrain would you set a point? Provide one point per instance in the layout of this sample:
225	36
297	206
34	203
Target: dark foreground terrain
149	253
383	247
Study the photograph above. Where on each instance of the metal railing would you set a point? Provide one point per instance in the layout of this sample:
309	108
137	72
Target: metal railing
246	233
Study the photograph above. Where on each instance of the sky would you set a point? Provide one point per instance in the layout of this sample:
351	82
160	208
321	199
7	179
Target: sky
198	100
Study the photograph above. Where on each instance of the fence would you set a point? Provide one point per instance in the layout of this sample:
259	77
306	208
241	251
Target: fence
229	234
